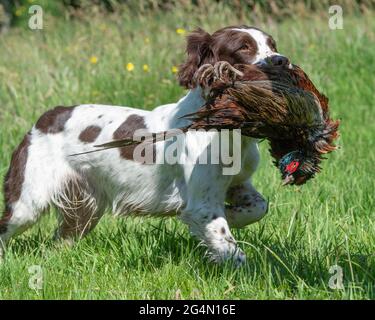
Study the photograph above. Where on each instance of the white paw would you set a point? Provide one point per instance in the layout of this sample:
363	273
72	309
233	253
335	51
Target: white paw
222	245
238	257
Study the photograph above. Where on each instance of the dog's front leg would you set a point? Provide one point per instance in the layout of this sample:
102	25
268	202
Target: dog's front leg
209	224
247	205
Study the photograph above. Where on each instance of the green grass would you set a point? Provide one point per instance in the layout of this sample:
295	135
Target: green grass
329	221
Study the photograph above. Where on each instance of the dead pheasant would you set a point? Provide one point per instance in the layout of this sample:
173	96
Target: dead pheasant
276	103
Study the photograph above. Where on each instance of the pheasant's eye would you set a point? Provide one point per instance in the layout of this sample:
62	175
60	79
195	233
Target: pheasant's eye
292	167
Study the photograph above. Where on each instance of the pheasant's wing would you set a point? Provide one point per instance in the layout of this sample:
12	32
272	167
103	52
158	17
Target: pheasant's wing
303	81
273	103
226	113
223	113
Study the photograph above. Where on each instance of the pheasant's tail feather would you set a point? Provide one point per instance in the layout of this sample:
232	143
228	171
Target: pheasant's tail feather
123	143
150	139
117	143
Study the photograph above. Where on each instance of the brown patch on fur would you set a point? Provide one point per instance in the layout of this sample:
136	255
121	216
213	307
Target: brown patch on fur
14	180
126	131
271	43
53	121
233	46
90	134
4	220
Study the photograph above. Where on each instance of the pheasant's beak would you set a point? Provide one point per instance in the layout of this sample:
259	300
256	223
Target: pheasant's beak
288	180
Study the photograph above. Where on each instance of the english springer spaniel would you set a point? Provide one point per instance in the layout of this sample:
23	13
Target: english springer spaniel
43	172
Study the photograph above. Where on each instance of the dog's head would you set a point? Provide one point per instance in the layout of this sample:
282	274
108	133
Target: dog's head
237	45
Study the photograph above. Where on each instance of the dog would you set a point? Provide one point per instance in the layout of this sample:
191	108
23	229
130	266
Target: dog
42	171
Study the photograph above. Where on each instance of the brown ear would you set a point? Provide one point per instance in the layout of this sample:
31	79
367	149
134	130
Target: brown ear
199	52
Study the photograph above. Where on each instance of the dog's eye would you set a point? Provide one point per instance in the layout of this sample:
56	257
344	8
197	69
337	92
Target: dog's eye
272	44
243	48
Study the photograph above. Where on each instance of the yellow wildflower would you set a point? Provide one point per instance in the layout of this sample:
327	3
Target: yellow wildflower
19	12
180	31
102	27
147	40
130	66
166	81
146	68
174	69
94	59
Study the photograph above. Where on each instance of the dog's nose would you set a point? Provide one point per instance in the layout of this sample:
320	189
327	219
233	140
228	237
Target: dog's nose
278	60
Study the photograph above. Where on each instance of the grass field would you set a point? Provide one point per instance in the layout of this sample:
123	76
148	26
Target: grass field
330	221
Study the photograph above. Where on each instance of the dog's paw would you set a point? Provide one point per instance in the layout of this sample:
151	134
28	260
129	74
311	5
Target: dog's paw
229	254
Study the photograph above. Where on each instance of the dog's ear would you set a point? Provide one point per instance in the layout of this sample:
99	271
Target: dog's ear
198	52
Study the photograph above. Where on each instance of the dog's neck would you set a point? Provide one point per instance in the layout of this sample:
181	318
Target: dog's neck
192	101
188	104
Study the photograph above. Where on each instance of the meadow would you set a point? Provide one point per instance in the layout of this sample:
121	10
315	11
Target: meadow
131	59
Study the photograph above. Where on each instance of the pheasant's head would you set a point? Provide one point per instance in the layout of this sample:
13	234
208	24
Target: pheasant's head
297	167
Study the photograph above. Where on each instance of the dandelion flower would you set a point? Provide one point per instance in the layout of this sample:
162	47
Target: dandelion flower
94	59
147	40
180	31
130	66
146	68
174	69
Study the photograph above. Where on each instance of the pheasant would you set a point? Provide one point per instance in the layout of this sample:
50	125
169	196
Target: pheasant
275	103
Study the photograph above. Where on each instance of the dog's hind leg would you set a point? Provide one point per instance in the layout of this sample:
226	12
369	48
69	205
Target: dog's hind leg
18	217
24	198
80	209
38	172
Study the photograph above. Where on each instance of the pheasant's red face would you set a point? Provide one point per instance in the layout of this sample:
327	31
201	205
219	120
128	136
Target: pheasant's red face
297	167
292	167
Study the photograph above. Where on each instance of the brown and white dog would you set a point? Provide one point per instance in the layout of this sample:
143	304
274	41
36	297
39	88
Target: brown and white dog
42	172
